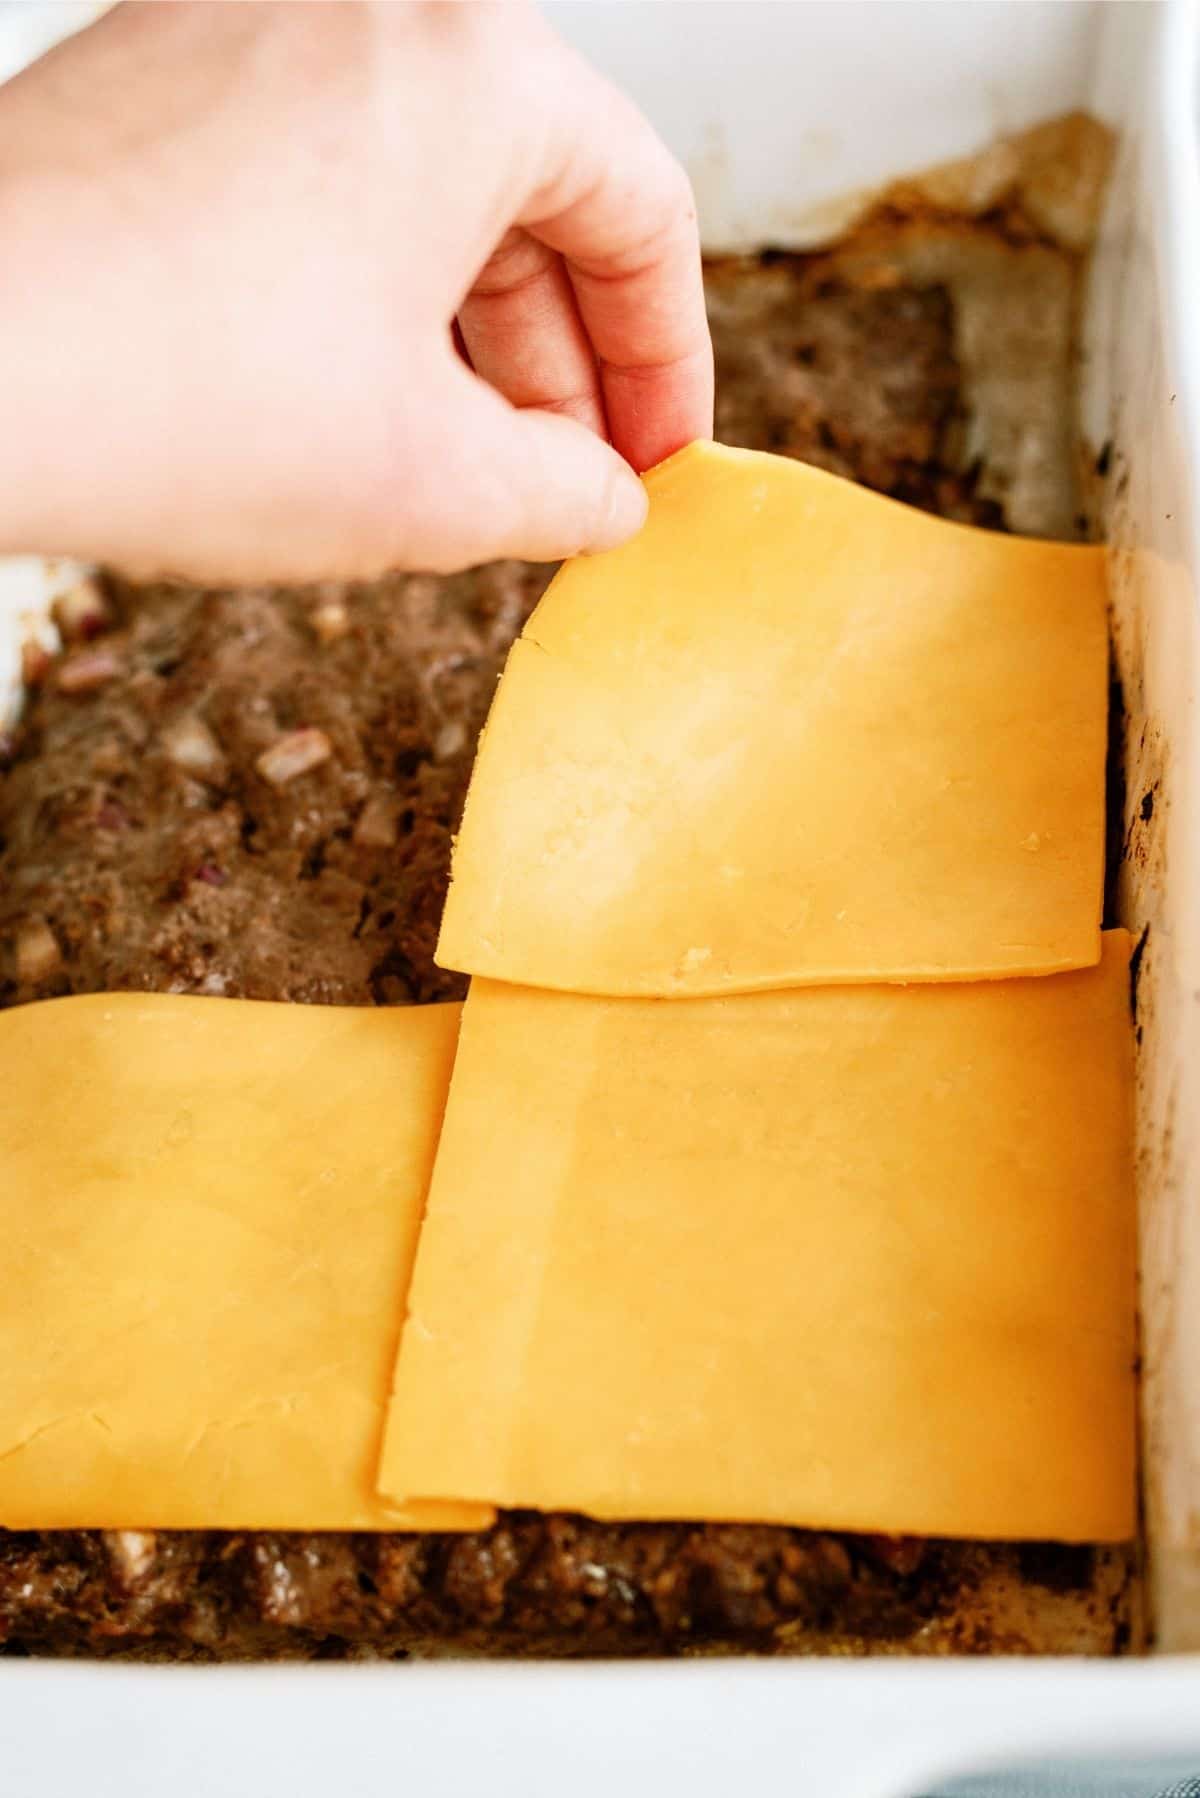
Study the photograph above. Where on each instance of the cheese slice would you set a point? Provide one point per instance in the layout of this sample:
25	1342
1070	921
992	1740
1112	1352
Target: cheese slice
856	1258
792	733
209	1210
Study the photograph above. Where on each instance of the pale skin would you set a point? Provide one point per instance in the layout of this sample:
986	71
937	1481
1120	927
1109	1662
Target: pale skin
236	239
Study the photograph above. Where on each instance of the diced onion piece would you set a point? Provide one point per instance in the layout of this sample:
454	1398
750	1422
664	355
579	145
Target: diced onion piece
38	953
330	620
82	612
132	1553
294	754
88	670
450	739
190	744
376	826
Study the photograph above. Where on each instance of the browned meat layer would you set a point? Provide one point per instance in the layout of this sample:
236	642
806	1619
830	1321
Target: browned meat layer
143	824
253	793
557	1585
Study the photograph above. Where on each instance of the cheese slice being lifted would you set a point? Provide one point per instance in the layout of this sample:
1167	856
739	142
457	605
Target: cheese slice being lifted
853	1258
792	733
209	1210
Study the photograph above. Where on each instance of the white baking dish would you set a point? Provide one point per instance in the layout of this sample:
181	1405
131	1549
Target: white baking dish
785	113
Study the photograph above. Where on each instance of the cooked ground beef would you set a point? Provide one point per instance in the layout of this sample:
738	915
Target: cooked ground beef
547	1585
146	843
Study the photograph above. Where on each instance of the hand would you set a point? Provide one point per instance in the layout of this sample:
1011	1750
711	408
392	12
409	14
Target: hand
235	240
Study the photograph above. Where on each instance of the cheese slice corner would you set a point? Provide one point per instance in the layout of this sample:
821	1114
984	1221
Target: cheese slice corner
792	733
209	1209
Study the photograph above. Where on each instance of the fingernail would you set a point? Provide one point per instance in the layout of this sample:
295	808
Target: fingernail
624	515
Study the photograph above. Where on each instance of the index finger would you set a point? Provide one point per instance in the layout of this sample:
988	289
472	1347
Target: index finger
613	200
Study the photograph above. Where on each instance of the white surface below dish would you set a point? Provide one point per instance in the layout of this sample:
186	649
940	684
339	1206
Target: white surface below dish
839	1729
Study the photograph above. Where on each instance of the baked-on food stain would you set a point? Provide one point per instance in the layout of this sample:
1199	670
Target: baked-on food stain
143	846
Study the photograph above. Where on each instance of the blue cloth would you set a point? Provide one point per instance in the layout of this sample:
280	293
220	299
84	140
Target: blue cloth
1129	1779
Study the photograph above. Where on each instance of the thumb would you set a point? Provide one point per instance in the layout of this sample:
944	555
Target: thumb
536	486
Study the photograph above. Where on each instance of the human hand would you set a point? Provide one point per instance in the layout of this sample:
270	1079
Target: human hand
235	238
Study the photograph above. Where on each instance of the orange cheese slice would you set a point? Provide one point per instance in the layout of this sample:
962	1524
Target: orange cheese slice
856	1258
792	733
209	1210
